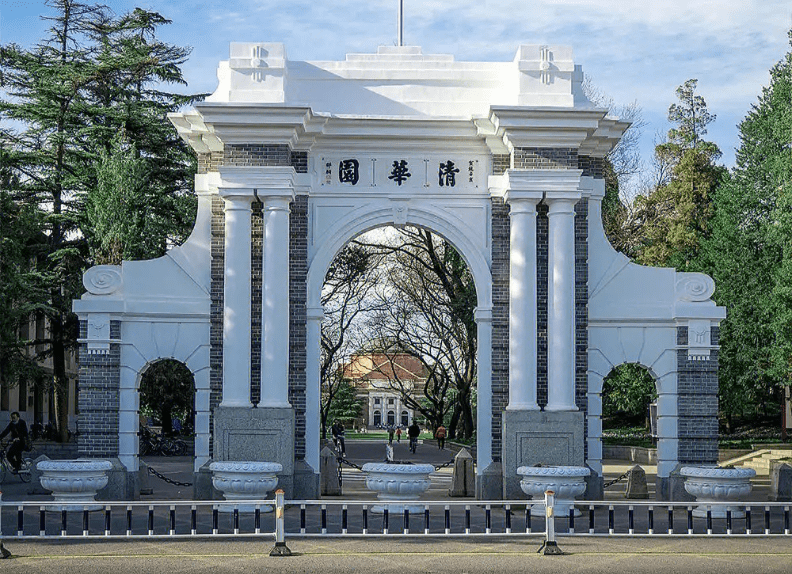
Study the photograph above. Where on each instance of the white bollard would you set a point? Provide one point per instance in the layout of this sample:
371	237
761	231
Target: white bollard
550	546
280	548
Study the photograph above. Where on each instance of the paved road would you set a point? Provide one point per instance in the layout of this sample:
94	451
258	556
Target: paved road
362	451
454	556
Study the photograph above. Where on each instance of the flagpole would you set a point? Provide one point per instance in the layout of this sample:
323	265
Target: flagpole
401	23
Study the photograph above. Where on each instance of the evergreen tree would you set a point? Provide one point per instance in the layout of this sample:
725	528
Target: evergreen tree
22	289
91	77
674	218
345	406
750	251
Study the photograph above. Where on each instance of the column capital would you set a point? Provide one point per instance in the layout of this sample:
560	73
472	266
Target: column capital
535	184
562	203
277	202
259	177
237	198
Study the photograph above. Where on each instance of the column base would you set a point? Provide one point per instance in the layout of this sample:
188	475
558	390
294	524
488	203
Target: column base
671	488
539	437
257	434
121	483
489	484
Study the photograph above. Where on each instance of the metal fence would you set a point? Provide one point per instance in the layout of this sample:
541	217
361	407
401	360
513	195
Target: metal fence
280	520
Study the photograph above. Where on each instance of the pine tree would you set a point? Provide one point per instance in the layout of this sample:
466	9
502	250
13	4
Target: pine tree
674	218
91	77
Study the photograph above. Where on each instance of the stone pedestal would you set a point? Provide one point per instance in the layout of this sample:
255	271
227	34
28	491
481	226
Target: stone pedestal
257	434
329	474
780	481
464	478
534	437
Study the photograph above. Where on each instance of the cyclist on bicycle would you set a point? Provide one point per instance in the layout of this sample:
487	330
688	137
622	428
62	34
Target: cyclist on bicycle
337	431
19	436
413	431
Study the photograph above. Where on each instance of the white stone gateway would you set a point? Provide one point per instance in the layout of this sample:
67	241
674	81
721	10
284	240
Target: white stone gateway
503	159
717	485
243	481
74	481
567	482
402	484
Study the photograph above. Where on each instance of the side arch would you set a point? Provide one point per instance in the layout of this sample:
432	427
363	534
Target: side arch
142	345
654	348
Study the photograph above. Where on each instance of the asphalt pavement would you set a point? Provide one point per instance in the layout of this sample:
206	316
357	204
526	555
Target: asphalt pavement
453	556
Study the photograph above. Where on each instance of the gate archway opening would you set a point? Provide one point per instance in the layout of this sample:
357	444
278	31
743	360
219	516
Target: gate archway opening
166	408
628	392
399	356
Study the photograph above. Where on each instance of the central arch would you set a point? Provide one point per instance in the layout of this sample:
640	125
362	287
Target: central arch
477	258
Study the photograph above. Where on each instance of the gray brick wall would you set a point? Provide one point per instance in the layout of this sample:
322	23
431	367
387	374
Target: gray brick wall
264	154
299	161
500	163
298	296
209	161
98	398
542	230
592	166
544	158
256	289
256	154
216	307
581	310
697	390
500	321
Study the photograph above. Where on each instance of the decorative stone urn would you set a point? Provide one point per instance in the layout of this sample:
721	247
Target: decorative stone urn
567	482
75	481
714	484
241	481
397	482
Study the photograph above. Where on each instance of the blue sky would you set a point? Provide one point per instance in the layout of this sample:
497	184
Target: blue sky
634	50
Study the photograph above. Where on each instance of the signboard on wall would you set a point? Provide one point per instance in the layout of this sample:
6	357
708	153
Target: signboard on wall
437	173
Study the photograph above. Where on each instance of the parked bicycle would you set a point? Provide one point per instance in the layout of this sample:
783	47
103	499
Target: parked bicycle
6	468
157	444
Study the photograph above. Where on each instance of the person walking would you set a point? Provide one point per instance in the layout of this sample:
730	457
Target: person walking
391	432
18	430
398	433
440	435
413	431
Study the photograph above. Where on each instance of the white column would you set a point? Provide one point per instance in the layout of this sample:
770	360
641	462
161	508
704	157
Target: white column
561	305
484	389
522	305
315	315
236	300
275	308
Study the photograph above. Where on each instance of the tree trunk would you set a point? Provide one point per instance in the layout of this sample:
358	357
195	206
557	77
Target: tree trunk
452	426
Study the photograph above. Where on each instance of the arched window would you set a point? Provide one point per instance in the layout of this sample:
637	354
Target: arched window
391	418
405	419
377	418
